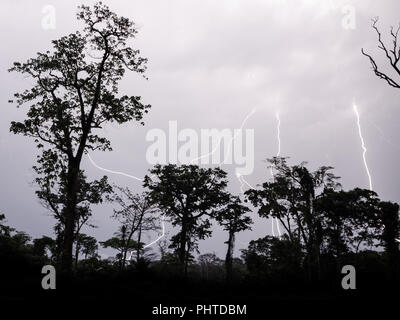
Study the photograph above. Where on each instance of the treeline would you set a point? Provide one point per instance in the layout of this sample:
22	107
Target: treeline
75	93
323	228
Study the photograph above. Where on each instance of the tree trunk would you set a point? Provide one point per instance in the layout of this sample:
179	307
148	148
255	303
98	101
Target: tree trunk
77	249
138	244
124	258
182	246
228	258
70	217
125	242
312	247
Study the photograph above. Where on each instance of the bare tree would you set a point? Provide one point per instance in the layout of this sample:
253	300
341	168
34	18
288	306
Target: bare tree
392	53
137	214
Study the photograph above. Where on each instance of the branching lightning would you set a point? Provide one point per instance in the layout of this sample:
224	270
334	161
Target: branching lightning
112	171
240	177
278	137
363	146
239	131
218	145
162	218
383	136
242	182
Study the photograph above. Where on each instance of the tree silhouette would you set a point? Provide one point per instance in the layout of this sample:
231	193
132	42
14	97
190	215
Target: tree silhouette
348	220
4	230
233	220
392	54
86	245
389	221
270	256
52	181
122	244
75	94
208	262
44	244
189	195
290	198
388	210
137	213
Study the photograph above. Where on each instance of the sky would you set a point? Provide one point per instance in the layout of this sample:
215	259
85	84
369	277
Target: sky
220	65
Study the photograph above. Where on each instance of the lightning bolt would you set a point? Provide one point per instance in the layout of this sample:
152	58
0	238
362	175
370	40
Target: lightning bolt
278	129
382	134
364	148
278	137
241	179
156	240
239	176
112	171
388	141
162	218
218	145
242	182
239	131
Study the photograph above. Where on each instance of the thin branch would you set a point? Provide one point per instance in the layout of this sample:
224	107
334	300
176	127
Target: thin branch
378	73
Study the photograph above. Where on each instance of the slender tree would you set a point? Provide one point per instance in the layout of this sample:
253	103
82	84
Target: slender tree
233	219
76	93
121	243
86	245
137	214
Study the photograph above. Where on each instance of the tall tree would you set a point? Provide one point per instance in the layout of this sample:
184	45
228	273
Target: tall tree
189	195
233	219
76	93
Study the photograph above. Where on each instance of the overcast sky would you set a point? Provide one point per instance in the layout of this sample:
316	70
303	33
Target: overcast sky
210	64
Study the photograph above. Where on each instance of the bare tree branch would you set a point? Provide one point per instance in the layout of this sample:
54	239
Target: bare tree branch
393	55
